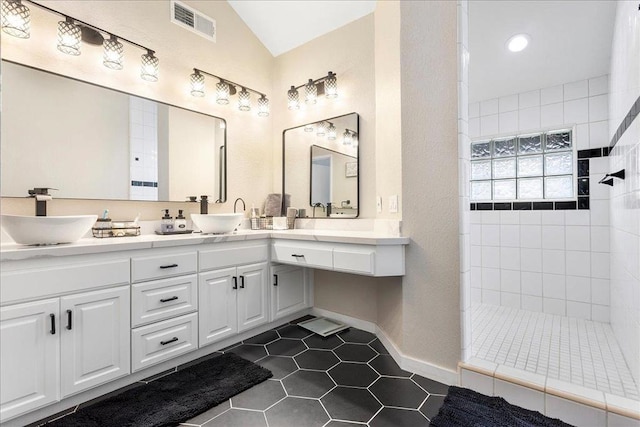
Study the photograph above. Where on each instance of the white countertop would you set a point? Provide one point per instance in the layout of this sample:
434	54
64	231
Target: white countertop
91	245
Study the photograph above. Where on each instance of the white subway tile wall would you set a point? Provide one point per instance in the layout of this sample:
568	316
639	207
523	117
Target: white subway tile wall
143	146
624	235
557	257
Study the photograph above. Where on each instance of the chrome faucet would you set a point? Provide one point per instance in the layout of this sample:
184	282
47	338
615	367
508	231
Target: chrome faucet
41	194
244	207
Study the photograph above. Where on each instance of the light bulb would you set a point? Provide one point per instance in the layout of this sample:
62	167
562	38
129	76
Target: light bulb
16	19
311	92
263	106
222	93
113	53
331	86
197	84
244	100
69	37
149	71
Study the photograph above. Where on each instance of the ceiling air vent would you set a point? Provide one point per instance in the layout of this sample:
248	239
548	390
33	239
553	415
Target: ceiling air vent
189	18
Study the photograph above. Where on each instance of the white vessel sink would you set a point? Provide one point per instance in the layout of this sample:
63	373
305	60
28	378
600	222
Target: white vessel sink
217	223
46	230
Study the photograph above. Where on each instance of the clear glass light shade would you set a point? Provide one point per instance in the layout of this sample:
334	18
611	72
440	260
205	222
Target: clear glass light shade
222	93
310	92
293	98
16	19
150	65
263	106
197	84
321	129
244	100
331	86
309	128
113	53
346	138
69	37
331	132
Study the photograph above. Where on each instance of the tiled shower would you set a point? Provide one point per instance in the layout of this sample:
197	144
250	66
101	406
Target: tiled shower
555	286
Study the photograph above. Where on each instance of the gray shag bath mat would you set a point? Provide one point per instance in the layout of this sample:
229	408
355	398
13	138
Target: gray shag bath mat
174	398
466	408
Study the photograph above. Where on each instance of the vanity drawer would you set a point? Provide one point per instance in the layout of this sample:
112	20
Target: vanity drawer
315	254
162	299
160	266
354	259
232	254
163	340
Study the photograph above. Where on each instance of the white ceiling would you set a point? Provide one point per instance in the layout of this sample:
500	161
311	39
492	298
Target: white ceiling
570	40
284	25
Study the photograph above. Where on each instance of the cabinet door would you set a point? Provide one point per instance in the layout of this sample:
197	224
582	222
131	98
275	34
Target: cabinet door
252	296
95	336
217	305
29	356
289	290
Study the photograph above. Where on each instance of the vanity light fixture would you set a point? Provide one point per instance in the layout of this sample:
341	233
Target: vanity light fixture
349	136
321	129
293	99
225	88
518	42
16	19
113	53
69	37
331	132
327	86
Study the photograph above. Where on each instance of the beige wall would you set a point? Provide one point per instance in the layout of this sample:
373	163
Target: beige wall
431	308
237	55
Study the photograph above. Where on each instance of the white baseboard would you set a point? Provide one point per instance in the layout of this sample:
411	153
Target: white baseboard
408	363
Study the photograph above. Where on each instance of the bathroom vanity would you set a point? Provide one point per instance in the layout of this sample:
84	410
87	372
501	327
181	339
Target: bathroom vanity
113	311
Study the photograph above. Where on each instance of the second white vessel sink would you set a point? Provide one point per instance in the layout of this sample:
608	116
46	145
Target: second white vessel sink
217	223
46	230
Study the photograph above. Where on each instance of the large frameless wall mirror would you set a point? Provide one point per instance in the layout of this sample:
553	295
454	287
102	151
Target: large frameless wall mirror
321	169
91	142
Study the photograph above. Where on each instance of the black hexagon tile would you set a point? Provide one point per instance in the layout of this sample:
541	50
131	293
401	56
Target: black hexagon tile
319	342
385	365
280	366
249	352
350	404
294	331
238	417
263	338
357	336
433	387
394	417
286	347
353	374
377	346
296	412
355	353
320	360
432	405
260	396
312	384
398	392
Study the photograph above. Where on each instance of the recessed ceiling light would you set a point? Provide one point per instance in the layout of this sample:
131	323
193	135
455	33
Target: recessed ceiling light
518	42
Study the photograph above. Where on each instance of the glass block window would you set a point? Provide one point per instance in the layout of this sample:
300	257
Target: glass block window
532	167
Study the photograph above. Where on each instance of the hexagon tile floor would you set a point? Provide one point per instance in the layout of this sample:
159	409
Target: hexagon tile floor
347	379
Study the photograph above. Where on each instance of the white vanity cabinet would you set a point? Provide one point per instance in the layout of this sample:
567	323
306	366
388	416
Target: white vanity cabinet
232	286
58	347
290	290
164	304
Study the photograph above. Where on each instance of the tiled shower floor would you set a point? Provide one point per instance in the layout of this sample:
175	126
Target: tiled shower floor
574	350
347	379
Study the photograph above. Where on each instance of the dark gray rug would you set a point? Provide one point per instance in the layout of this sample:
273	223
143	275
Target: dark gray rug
466	408
174	398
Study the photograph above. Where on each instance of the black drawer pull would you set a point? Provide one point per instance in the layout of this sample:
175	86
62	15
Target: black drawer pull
173	298
275	280
169	266
53	323
235	282
174	339
297	256
241	282
69	319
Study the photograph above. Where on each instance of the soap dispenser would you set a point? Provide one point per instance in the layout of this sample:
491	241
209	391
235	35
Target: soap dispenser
166	226
181	222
